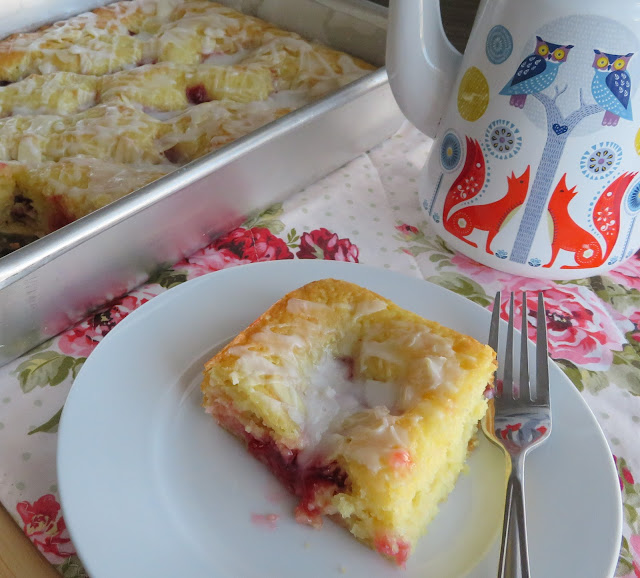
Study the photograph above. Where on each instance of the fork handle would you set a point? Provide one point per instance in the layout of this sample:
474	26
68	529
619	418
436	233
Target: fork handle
514	556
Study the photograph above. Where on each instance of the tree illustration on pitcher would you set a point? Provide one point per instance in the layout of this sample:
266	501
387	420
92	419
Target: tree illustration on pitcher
610	88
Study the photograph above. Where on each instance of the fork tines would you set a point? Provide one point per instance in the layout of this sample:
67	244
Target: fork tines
522	390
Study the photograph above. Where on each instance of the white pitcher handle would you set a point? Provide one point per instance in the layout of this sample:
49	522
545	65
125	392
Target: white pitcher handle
421	62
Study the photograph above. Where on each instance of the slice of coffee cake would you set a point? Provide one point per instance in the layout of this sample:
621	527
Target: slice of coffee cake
362	409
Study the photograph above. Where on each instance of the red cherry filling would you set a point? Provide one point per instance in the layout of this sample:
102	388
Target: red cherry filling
391	547
197	94
283	465
173	155
22	209
348	362
144	62
60	215
315	484
401	461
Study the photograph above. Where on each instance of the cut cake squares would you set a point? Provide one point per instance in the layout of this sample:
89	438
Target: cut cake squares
119	86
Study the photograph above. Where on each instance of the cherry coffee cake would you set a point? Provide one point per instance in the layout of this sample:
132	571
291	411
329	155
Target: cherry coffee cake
363	410
97	106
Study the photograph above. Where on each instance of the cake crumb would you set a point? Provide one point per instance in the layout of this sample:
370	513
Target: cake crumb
307	545
267	520
343	570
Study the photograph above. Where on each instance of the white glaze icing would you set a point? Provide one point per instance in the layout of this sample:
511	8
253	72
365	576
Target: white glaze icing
352	417
223	59
329	397
369	307
337	411
371	437
308	308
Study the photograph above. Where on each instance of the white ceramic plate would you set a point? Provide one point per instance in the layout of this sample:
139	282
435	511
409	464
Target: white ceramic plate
151	486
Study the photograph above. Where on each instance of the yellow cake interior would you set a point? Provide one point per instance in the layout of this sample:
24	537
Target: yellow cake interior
361	408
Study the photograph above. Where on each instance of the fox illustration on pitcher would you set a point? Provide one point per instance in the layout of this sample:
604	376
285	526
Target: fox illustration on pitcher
535	168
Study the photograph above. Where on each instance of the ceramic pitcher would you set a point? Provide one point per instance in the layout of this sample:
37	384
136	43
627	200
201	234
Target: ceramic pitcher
535	167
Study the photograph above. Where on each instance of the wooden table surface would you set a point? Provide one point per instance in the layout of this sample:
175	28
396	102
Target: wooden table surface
18	558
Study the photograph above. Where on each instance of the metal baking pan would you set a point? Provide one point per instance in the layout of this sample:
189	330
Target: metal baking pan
55	281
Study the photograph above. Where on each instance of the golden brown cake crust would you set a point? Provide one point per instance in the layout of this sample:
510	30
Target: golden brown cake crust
146	86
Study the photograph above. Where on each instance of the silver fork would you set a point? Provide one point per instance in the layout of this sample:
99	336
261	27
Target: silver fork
520	421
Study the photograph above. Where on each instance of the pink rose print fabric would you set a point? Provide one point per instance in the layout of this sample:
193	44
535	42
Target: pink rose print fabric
634	542
242	246
628	273
253	245
578	326
635	319
629	563
239	247
208	260
81	340
625	474
322	244
44	526
581	327
482	273
408	231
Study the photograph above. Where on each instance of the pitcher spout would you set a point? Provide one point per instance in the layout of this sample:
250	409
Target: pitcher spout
421	62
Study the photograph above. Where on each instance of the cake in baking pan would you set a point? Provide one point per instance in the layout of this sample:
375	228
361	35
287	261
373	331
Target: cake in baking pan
94	107
362	409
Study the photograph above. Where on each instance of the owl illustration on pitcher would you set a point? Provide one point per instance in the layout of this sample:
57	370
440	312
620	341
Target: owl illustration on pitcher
611	86
536	72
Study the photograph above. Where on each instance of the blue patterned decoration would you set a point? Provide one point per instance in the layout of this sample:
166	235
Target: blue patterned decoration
633	199
502	139
632	206
611	88
559	128
436	217
601	160
450	152
535	262
501	254
435	195
499	44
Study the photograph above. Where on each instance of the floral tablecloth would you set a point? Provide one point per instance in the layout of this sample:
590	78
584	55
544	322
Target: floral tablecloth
365	212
